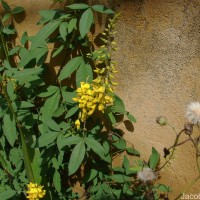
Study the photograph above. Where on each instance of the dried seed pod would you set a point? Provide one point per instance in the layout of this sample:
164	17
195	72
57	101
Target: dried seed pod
188	129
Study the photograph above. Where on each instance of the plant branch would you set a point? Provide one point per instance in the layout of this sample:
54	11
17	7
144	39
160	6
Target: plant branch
27	162
173	149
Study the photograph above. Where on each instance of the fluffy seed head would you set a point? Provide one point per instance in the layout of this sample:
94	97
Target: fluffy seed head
193	113
146	174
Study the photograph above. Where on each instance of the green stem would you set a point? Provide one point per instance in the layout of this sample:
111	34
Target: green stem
27	161
4	44
173	149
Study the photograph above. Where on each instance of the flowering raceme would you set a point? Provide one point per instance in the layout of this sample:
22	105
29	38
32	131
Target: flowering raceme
90	97
35	191
99	93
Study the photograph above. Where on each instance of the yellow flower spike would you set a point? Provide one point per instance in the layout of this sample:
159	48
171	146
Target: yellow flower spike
90	112
110	90
111	76
89	104
101	89
78	124
102	71
86	86
35	192
79	90
81	105
100	96
75	99
113	43
101	107
96	70
113	83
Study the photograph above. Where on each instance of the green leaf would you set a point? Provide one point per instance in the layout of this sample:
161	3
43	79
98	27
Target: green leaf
72	24
67	141
70	67
24	104
55	163
9	30
46	139
14	50
58	51
85	22
50	91
44	33
130	117
17	10
126	163
50	105
57	180
90	175
51	124
67	96
119	178
6	17
163	188
5	6
118	169
25	74
36	165
154	159
84	74
102	9
78	6
24	38
6	64
48	14
132	151
7	194
120	144
118	106
63	30
72	111
136	169
117	193
96	147
40	54
76	158
111	117
9	128
11	90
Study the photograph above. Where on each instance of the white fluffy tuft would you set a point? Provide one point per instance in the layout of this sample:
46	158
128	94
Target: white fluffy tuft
193	113
146	174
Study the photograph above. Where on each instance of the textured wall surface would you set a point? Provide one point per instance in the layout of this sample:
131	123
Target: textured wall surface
159	70
159	65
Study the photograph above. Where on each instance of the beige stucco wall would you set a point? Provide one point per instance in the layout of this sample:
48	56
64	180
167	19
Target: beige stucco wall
159	70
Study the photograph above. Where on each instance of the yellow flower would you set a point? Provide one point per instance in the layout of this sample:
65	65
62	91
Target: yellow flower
77	123
101	107
35	191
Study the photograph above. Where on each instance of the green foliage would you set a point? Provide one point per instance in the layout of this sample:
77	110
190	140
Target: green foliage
39	140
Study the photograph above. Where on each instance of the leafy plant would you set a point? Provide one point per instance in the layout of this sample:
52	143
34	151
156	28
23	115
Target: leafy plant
58	132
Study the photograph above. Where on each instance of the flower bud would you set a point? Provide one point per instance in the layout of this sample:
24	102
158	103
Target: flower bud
161	120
